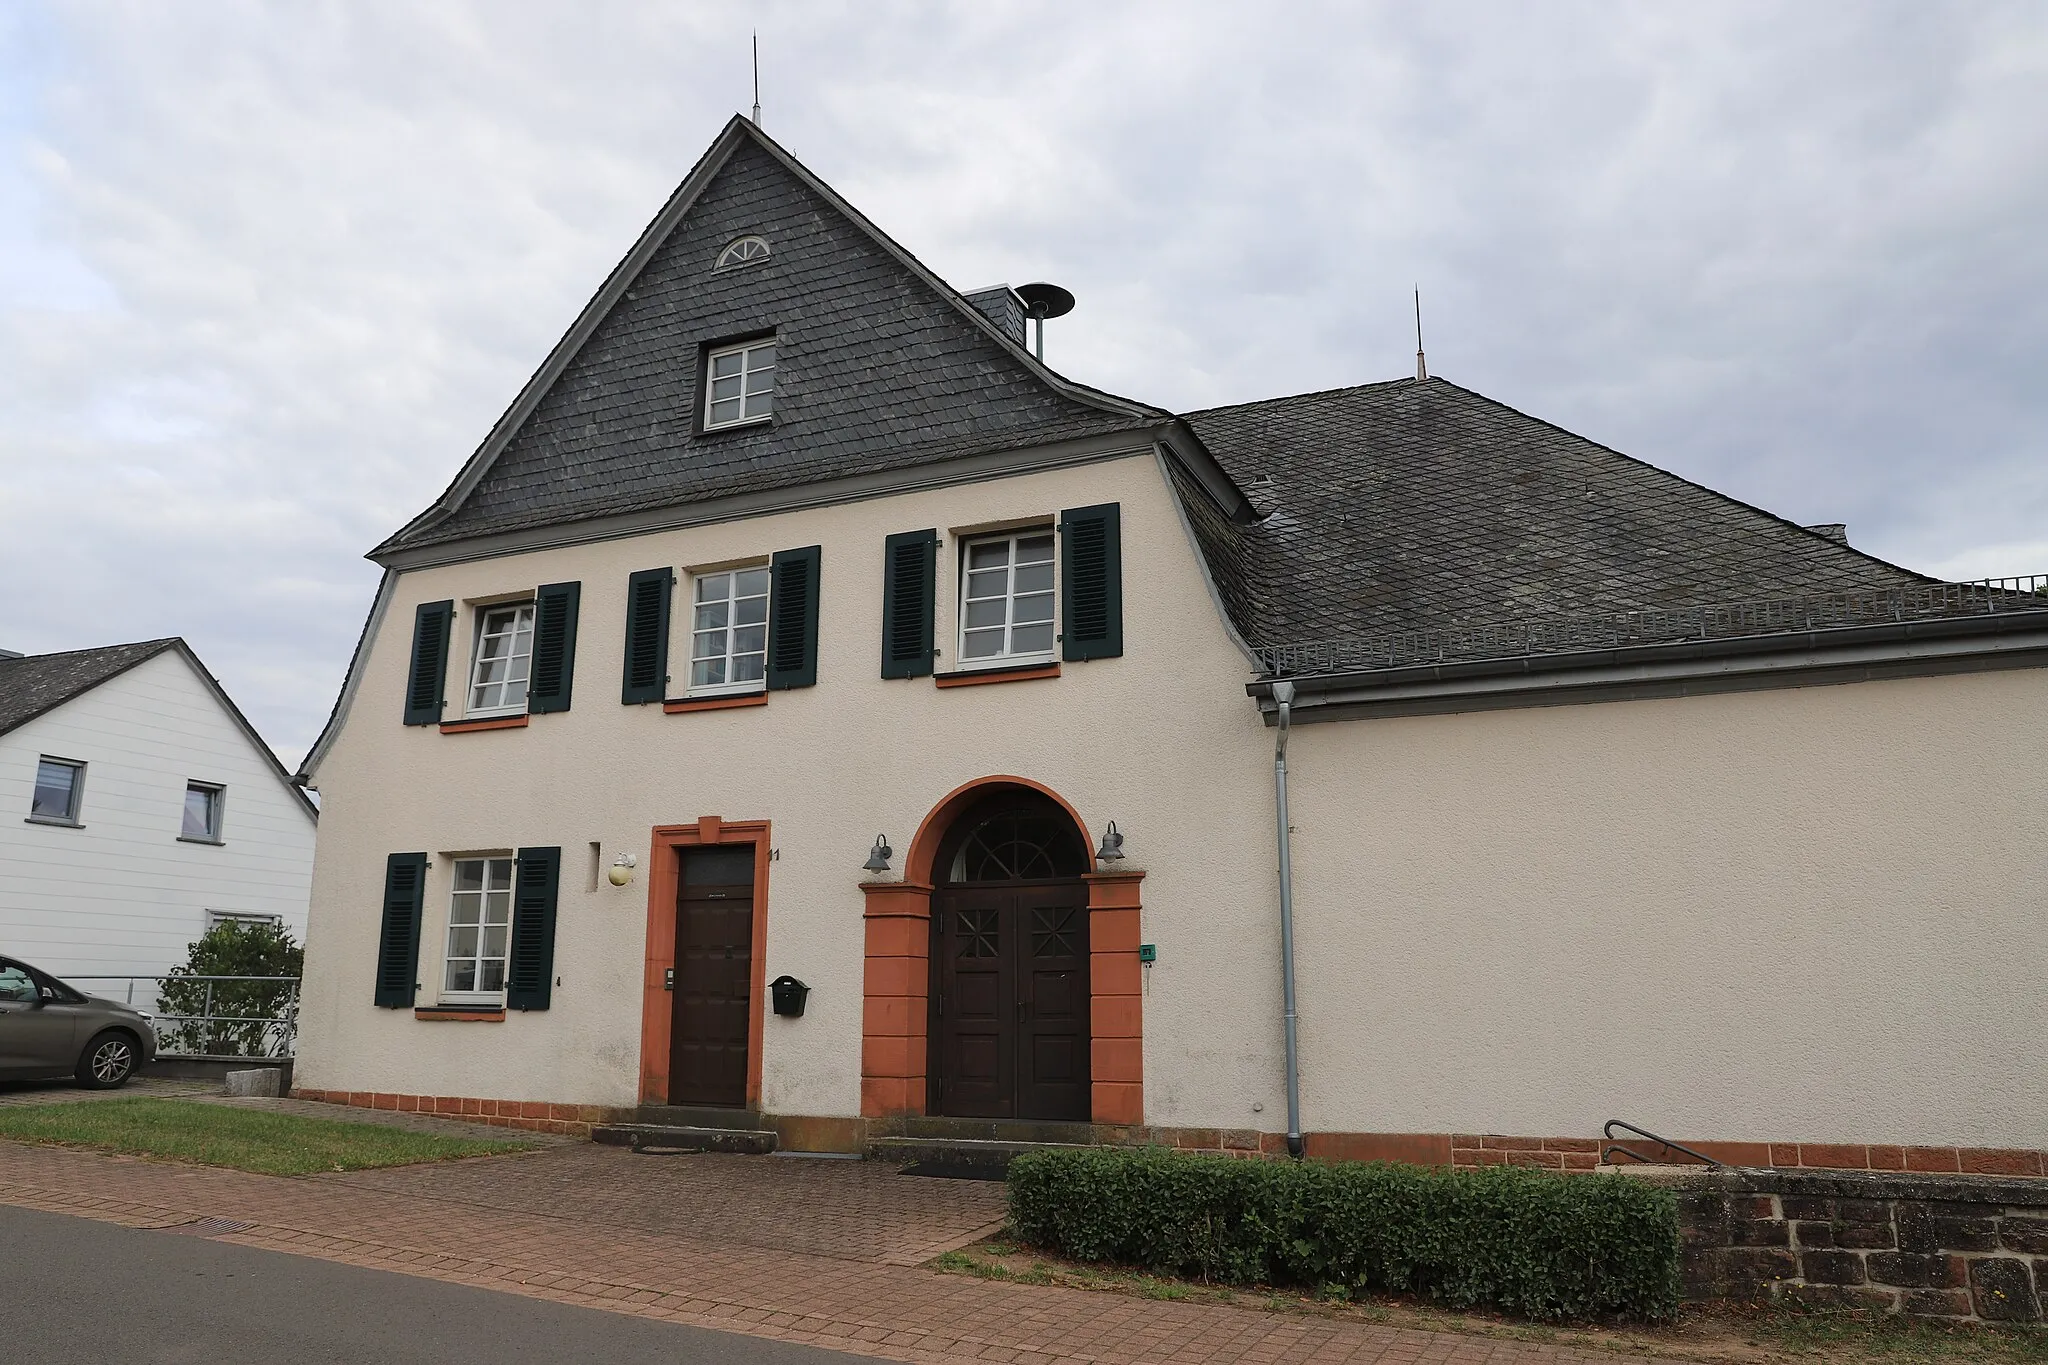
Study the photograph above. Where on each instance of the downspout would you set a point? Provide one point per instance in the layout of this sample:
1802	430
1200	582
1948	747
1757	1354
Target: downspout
1283	695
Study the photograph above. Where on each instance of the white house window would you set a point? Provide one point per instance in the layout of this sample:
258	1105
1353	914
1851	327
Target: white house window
203	802
216	918
1006	599
745	251
479	926
504	652
741	384
59	785
729	632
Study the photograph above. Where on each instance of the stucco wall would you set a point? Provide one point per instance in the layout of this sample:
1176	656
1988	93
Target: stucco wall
1810	914
1814	914
1161	740
123	895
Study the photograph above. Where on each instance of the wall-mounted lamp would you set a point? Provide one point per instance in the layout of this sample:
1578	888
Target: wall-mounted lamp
879	856
1112	849
622	870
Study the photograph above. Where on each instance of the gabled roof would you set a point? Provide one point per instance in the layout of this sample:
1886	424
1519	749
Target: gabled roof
36	684
1420	504
880	366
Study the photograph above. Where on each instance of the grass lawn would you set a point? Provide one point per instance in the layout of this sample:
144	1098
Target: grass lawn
244	1139
1724	1335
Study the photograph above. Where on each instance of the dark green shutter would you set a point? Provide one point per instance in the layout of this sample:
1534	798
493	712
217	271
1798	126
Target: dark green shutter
431	624
1092	591
398	942
554	646
793	618
530	975
647	599
909	580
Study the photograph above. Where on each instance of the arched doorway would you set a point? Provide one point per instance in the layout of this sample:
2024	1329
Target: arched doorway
1009	953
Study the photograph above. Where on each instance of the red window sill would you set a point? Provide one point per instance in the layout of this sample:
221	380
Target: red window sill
448	1015
463	727
976	677
682	704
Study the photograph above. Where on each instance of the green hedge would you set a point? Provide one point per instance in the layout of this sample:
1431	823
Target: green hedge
1545	1246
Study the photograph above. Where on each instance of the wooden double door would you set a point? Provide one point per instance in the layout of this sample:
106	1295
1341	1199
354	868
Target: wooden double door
1009	1001
713	1006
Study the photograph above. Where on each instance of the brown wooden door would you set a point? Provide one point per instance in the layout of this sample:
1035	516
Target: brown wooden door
713	1003
1010	1002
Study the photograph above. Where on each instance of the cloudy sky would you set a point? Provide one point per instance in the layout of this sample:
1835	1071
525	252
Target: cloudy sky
269	272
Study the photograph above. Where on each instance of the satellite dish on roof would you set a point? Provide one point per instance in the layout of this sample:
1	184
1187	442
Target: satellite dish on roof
1042	301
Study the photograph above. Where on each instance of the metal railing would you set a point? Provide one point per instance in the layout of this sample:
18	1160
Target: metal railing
1614	1148
239	1016
1559	635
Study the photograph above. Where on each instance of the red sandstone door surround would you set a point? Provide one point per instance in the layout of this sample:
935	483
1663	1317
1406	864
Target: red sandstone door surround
659	1005
895	1033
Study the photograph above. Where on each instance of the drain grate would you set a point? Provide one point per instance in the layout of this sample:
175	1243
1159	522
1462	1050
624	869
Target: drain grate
210	1227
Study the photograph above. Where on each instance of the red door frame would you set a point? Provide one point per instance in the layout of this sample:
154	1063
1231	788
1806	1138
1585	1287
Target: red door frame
895	1023
664	875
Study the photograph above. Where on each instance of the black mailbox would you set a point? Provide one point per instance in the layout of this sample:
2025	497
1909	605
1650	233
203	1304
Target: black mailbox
788	994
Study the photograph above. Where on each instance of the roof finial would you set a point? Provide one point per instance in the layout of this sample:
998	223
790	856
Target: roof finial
1421	368
757	78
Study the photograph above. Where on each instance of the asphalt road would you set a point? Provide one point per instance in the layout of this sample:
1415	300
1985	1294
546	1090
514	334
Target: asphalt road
75	1290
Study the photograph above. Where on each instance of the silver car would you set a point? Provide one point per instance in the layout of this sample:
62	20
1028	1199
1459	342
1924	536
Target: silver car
48	1029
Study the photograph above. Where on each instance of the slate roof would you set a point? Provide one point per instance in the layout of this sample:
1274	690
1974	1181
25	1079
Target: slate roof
879	365
36	683
1415	504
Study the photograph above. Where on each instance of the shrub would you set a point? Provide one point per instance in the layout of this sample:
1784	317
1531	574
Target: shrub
232	948
1544	1246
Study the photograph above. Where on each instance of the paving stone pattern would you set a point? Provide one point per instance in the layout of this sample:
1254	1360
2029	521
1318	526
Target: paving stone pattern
842	1301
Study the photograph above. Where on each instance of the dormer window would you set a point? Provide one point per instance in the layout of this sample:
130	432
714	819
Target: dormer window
740	384
745	251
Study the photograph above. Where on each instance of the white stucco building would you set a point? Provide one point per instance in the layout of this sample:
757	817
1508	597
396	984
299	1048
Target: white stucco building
1610	796
141	809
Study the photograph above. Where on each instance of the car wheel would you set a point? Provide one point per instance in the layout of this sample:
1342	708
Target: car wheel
108	1061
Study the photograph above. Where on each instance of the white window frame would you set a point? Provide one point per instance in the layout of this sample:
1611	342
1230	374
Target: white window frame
70	820
477	659
741	251
745	350
216	918
1010	656
448	994
700	635
217	808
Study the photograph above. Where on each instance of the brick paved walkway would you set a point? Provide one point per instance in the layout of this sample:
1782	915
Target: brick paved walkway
15	1094
771	1247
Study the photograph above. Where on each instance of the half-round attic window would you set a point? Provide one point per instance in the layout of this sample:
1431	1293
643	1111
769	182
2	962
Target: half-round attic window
745	251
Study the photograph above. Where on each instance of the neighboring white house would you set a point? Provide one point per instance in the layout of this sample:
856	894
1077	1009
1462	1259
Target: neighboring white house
140	809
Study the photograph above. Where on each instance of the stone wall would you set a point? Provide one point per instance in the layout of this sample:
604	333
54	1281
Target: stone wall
1943	1246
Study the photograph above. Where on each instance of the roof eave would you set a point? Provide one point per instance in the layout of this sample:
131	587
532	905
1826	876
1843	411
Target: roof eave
1682	668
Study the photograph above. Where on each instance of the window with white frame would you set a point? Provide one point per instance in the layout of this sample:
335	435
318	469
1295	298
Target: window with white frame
203	803
479	928
729	631
60	783
1006	599
740	384
216	918
504	655
744	251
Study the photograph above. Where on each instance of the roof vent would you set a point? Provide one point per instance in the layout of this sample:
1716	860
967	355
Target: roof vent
1837	531
999	304
1042	301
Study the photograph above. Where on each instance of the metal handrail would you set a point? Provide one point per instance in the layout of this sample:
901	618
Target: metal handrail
173	1027
1667	1144
1519	637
